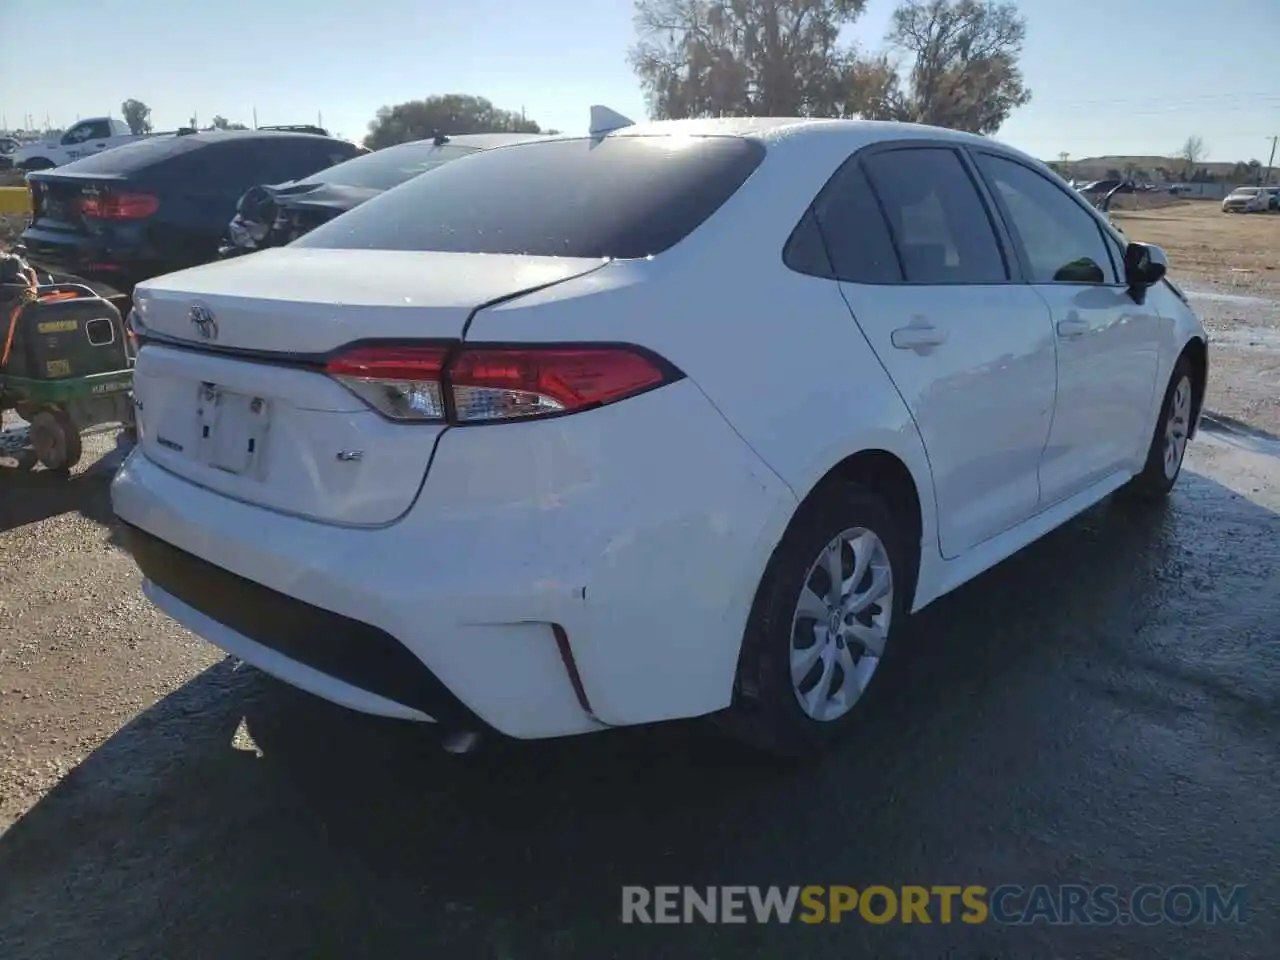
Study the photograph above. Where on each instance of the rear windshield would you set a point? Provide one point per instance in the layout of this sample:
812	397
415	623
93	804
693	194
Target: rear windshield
1246	191
133	156
620	197
390	167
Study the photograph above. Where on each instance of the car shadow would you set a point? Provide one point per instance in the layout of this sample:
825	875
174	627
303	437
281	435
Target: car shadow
241	818
31	495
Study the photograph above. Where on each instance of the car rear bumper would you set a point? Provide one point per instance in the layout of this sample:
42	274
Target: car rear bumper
553	577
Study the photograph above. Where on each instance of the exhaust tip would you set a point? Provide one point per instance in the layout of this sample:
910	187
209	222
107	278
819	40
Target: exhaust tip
460	741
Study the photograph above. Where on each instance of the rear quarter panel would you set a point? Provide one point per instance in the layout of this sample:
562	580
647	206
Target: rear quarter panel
776	352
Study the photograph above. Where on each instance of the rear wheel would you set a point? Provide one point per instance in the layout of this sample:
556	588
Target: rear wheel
55	440
821	624
1169	441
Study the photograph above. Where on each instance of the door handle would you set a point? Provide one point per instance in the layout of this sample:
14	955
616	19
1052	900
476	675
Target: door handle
921	338
1072	327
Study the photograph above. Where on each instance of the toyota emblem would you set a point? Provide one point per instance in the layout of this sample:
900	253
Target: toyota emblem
202	317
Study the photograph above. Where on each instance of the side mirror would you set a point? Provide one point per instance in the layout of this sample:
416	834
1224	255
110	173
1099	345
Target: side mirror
1145	265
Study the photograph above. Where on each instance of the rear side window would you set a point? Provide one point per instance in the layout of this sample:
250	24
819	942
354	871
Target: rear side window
938	221
620	197
222	164
855	231
243	162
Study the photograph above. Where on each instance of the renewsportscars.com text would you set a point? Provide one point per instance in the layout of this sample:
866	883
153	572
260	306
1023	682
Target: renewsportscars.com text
1007	904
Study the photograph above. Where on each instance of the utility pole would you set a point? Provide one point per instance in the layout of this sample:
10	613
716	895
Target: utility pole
1270	160
255	118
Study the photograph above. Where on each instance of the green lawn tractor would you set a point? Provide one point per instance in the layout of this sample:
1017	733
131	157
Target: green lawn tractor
66	365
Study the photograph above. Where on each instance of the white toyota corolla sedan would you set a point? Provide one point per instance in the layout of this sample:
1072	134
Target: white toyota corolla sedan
669	420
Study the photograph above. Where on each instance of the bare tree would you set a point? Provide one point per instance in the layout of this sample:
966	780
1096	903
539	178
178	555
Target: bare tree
698	58
707	58
450	113
964	69
1192	152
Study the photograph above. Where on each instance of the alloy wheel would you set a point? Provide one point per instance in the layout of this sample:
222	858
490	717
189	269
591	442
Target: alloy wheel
841	624
1177	423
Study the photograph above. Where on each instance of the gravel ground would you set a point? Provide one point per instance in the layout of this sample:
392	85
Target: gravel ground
1100	709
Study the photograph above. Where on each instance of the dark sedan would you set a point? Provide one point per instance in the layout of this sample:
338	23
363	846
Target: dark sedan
159	204
270	216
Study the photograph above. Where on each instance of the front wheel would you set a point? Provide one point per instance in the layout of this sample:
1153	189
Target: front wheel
821	625
1169	441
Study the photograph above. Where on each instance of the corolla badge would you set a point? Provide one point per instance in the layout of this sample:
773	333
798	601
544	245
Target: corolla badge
202	317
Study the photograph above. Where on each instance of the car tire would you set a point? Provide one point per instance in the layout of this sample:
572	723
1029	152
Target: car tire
38	163
55	440
1169	439
769	709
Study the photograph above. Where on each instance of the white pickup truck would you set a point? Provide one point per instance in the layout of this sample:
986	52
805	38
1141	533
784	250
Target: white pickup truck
82	139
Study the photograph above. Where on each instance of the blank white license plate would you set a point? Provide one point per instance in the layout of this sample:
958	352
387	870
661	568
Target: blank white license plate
233	429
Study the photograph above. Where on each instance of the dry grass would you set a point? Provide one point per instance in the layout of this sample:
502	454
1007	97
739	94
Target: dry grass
1205	243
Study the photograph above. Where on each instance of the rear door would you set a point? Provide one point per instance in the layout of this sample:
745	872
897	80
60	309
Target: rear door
1107	344
969	348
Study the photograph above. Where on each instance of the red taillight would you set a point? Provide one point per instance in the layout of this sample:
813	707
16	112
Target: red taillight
504	383
403	383
119	206
488	384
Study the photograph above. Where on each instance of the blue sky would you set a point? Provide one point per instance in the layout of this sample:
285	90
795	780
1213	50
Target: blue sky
1165	70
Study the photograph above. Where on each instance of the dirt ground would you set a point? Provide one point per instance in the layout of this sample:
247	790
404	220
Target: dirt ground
1204	243
1229	264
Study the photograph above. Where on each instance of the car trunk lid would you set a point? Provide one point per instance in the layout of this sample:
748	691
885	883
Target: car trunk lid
230	390
74	203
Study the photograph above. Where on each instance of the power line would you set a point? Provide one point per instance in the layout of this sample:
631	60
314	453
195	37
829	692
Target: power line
1205	98
1215	110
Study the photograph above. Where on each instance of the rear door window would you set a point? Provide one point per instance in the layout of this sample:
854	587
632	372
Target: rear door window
620	197
285	158
938	221
222	164
236	162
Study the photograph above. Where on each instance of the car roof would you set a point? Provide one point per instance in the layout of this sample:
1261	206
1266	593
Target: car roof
217	136
776	129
